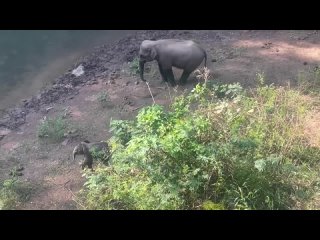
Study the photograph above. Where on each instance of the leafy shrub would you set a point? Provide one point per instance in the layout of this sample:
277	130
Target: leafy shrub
134	67
215	148
53	128
101	156
12	193
104	99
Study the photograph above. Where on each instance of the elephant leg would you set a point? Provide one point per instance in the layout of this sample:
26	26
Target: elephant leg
184	77
163	75
170	76
83	165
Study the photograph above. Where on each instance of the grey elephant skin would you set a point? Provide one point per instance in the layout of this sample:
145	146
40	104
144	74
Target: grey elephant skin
182	54
85	148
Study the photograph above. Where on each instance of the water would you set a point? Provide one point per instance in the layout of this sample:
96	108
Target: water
32	59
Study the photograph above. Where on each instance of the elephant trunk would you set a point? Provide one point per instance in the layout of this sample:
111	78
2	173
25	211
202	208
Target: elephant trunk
141	68
74	154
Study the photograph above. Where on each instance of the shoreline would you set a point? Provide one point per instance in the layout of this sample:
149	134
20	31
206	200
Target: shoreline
104	61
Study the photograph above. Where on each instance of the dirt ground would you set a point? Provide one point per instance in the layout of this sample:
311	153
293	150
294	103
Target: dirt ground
233	56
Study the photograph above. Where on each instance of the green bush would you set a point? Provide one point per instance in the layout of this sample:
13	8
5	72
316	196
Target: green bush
12	193
134	67
53	128
104	99
309	81
101	156
218	147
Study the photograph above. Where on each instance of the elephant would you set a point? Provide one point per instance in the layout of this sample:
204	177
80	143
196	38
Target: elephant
182	54
85	148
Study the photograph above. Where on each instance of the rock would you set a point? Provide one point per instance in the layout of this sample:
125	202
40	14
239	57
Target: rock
305	63
127	83
14	173
1	137
65	142
102	74
20	168
48	109
4	131
72	131
78	71
137	82
92	82
213	60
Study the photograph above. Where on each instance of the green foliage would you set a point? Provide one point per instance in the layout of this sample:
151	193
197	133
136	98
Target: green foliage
216	148
53	128
134	67
100	156
226	90
309	81
209	205
121	130
260	77
103	99
12	193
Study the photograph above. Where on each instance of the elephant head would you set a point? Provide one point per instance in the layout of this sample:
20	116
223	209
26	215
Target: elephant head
147	53
77	150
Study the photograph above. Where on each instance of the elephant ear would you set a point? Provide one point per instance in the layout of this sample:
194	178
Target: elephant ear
153	53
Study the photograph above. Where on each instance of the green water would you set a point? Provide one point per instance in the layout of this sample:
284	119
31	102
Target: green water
32	59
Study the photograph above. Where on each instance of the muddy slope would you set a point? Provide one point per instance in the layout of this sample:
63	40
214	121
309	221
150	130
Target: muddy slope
105	60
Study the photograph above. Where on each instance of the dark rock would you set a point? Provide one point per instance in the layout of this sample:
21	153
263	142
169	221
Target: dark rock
20	168
14	173
92	83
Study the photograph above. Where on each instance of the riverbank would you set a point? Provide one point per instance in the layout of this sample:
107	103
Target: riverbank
105	60
233	56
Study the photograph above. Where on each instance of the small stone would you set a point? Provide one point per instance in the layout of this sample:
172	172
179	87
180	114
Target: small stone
136	83
127	83
277	50
213	60
73	131
48	109
65	142
20	168
4	131
305	63
15	173
1	137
